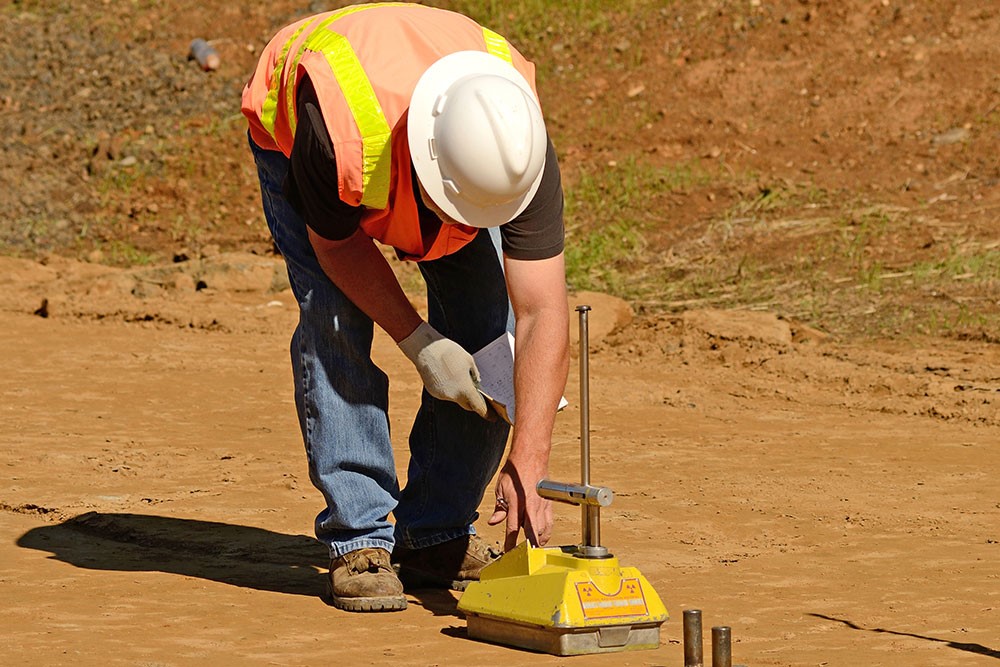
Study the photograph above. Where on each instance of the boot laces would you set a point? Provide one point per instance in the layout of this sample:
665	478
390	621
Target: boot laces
367	560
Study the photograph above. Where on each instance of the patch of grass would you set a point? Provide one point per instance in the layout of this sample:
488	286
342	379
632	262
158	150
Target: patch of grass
843	271
941	297
977	267
592	261
624	189
533	26
774	197
959	322
123	253
216	126
186	230
36	7
32	235
526	20
608	211
37	229
118	181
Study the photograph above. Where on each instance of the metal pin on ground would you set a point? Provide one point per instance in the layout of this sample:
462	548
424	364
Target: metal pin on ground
722	647
693	655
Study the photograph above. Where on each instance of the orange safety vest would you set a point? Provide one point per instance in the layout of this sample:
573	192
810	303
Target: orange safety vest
364	62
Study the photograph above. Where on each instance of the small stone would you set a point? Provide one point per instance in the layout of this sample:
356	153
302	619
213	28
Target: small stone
636	90
43	310
955	135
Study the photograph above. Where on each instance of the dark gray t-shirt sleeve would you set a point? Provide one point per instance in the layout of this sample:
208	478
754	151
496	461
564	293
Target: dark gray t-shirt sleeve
537	232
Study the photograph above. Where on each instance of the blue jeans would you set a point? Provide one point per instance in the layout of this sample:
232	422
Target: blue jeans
342	397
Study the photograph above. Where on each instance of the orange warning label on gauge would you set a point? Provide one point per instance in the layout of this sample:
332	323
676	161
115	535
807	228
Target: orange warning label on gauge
626	601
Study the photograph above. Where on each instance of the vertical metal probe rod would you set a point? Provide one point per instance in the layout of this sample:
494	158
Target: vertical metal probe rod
584	396
722	647
693	653
591	515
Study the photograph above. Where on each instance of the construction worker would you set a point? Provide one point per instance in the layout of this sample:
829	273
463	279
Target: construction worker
421	130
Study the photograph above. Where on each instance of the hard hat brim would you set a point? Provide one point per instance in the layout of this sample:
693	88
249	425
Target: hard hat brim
420	118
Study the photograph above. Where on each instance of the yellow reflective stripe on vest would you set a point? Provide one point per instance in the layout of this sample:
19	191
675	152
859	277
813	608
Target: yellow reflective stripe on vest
269	110
497	45
307	45
376	153
361	99
293	71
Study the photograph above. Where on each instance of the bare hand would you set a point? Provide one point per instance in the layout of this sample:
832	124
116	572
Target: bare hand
521	506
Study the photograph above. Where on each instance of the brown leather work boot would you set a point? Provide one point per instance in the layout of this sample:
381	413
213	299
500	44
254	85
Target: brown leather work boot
451	564
363	580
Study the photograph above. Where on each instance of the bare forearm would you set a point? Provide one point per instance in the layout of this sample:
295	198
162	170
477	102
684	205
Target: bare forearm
538	294
359	269
541	366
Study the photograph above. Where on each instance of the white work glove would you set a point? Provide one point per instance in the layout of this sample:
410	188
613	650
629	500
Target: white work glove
448	371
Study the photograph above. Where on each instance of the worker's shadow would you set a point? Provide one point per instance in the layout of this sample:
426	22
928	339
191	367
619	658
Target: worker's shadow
435	600
236	555
977	649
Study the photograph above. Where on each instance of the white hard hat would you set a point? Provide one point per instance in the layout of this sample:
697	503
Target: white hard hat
477	138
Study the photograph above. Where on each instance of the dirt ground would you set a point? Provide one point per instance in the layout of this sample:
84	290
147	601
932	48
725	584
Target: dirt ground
822	479
833	504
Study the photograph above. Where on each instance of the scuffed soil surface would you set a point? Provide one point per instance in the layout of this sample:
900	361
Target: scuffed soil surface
833	504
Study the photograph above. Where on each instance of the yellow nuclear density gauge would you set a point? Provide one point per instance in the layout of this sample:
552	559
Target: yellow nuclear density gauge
566	600
553	601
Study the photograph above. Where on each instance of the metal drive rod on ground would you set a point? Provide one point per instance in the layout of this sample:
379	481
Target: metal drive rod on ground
693	653
722	647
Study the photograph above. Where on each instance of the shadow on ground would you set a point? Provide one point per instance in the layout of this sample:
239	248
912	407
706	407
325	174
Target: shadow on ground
236	555
437	601
977	649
